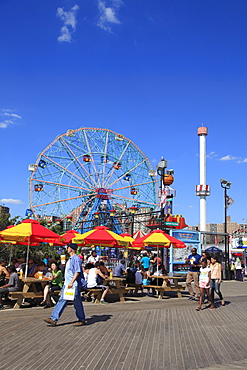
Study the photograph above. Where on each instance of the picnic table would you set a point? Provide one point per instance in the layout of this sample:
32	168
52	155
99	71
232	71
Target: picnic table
115	287
29	290
170	283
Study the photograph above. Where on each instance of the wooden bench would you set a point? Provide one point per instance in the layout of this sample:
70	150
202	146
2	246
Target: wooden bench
112	290
97	293
22	295
162	290
131	286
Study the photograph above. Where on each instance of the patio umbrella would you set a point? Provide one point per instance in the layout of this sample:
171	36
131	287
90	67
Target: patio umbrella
128	238
100	235
29	231
158	238
69	235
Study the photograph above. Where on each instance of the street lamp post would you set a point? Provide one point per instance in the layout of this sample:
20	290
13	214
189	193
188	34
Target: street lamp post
226	185
161	167
133	210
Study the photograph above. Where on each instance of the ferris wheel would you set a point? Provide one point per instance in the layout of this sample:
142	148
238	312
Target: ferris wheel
88	173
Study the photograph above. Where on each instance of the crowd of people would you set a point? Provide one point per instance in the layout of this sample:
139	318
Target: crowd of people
206	273
89	272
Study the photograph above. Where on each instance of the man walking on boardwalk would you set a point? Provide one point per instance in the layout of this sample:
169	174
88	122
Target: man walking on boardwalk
193	260
73	277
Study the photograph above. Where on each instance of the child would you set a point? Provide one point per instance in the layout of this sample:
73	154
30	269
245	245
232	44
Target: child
204	283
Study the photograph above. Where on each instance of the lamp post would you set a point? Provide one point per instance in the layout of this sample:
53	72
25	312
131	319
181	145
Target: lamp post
161	167
226	185
133	210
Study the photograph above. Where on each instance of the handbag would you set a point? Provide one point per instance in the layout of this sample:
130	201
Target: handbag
69	293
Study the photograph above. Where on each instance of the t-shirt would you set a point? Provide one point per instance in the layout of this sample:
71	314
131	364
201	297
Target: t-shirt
119	269
204	274
138	277
145	261
58	280
13	282
93	259
194	259
73	265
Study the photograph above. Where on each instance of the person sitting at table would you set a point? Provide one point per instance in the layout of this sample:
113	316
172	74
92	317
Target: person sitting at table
15	263
93	258
41	267
55	283
102	268
119	270
31	267
94	281
3	272
130	274
11	286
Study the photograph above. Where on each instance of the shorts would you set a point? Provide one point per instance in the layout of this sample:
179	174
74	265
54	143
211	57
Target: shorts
102	287
204	284
54	287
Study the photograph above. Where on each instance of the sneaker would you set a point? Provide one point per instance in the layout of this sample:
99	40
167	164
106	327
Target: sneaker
50	321
190	298
196	299
1	307
102	301
79	323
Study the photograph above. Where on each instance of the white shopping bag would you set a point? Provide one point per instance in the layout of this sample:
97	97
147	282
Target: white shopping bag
69	293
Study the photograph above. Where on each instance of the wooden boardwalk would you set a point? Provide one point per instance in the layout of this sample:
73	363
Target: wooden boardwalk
142	333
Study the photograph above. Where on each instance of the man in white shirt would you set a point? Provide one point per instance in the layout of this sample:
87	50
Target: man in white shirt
93	258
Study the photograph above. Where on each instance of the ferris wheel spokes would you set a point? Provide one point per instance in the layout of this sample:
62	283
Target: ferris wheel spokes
113	168
133	200
91	154
133	185
132	169
77	161
105	154
64	200
66	170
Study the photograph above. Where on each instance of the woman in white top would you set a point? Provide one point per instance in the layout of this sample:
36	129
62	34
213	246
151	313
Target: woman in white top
94	274
204	283
216	279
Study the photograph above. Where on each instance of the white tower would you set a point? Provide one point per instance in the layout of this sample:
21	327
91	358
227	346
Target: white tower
202	190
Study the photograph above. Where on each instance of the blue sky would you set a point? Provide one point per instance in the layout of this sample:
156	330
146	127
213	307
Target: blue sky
153	71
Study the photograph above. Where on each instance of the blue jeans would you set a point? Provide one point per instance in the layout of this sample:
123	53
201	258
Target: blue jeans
215	287
62	303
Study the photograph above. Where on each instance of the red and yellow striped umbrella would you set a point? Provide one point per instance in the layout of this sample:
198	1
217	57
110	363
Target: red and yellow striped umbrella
102	236
158	238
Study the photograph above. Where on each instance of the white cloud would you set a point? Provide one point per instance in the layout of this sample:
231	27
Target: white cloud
10	201
212	155
69	23
228	158
108	14
12	118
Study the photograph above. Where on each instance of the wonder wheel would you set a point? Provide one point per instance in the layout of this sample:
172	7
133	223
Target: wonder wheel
91	176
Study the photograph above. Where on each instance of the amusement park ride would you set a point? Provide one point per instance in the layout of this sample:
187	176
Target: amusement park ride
92	176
